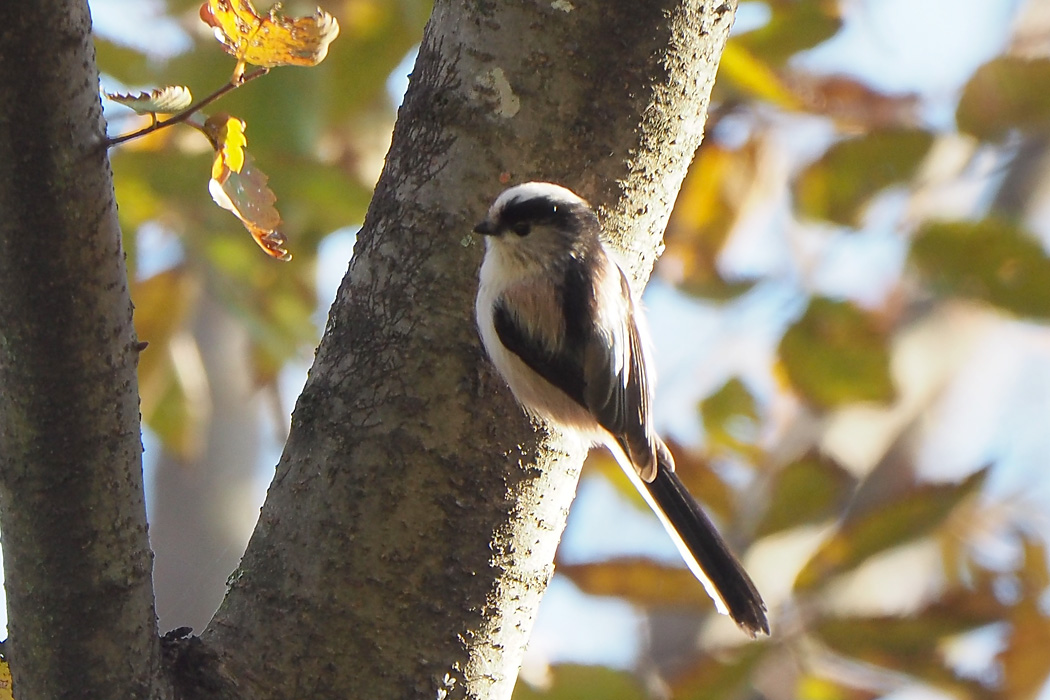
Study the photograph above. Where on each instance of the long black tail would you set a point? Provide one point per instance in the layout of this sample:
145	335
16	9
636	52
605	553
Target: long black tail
712	562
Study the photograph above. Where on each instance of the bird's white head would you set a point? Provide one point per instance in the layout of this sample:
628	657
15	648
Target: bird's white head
539	224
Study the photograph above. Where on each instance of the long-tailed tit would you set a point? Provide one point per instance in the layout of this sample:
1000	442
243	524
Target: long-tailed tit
558	320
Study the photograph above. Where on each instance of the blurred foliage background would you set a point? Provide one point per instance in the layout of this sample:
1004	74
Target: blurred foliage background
850	320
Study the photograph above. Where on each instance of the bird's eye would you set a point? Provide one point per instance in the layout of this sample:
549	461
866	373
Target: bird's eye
521	228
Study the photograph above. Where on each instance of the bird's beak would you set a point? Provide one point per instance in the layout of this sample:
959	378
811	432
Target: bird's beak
485	228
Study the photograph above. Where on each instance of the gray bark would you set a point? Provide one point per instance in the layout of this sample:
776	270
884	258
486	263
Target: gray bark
411	526
410	530
76	556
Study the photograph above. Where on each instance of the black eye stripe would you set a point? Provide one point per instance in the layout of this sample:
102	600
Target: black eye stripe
534	211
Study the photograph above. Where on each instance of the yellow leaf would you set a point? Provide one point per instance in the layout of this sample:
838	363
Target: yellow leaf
227	135
271	40
1025	663
233	144
754	76
5	681
639	581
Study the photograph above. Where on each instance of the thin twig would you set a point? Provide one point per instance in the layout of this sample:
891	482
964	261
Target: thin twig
189	111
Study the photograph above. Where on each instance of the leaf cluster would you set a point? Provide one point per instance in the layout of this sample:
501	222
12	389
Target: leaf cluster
183	254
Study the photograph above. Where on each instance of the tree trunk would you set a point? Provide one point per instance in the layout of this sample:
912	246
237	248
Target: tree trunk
76	555
410	529
411	526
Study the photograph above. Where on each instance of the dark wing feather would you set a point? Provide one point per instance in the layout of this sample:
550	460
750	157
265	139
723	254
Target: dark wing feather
563	370
617	392
606	378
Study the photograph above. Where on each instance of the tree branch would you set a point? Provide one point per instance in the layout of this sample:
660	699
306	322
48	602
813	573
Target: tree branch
189	111
411	526
72	515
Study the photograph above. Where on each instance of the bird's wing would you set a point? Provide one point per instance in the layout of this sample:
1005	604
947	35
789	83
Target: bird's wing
617	388
601	369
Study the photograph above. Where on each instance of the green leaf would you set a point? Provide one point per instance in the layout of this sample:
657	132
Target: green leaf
907	518
716	677
639	581
127	65
171	416
794	26
1004	94
897	642
837	186
731	418
990	260
912	644
162	304
572	682
836	354
809	490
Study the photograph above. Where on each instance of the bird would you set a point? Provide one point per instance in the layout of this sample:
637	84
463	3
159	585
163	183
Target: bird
558	320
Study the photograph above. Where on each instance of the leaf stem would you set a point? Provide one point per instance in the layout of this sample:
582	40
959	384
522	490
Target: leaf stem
189	111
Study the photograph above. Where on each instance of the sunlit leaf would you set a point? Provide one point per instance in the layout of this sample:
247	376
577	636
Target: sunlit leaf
795	25
270	40
912	643
895	641
731	418
228	136
165	100
809	490
162	304
813	687
6	690
920	661
719	676
753	76
172	416
1025	663
838	185
571	682
240	187
836	354
1034	573
991	260
906	518
1005	94
640	581
710	201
